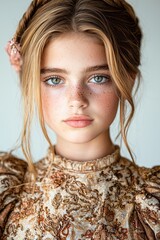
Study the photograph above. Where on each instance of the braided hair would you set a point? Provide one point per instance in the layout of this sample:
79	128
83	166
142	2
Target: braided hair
24	22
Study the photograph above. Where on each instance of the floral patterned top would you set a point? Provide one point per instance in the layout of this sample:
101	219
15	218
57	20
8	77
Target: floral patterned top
105	199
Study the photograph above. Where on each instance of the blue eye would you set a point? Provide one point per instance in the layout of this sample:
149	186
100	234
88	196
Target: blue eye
100	79
53	81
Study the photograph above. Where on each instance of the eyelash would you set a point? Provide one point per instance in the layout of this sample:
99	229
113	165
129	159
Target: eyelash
107	80
51	78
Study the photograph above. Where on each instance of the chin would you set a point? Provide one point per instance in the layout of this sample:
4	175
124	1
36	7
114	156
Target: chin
80	138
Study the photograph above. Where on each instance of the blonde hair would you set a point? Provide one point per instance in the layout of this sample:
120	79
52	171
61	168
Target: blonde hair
112	21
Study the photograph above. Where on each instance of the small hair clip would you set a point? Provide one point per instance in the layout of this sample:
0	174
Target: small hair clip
13	50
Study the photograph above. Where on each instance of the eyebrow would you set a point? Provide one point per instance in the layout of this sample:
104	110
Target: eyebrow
89	69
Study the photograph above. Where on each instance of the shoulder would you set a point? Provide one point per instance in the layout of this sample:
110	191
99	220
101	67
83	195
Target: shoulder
147	208
12	172
146	174
145	186
144	180
12	165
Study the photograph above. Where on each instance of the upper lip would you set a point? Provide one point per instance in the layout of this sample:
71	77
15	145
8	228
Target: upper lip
78	118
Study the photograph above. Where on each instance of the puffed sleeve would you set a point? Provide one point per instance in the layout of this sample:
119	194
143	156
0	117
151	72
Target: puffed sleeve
12	171
145	218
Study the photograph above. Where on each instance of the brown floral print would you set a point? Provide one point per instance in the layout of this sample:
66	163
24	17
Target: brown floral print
105	199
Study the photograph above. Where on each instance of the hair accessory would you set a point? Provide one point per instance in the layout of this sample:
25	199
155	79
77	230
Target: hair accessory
13	49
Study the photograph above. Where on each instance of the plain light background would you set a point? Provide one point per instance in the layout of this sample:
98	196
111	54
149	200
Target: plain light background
144	134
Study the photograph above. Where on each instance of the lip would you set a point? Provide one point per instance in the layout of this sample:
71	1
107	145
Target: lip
79	121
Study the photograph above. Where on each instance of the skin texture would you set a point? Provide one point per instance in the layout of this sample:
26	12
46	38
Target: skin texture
70	87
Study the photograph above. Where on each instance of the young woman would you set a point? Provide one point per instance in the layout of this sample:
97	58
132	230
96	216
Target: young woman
78	62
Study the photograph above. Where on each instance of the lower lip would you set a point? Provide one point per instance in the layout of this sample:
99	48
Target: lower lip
79	123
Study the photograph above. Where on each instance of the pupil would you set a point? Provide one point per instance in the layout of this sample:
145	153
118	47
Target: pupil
98	79
55	80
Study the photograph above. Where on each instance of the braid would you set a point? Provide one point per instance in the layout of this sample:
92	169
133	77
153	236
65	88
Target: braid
24	22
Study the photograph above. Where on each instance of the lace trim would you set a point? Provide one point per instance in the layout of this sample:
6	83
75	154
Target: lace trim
84	166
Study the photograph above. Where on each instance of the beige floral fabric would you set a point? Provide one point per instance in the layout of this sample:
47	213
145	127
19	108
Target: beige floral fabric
104	199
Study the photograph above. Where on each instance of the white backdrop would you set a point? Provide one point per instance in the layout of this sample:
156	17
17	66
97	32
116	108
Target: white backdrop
144	134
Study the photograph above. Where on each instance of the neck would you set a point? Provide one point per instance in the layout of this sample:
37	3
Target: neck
85	151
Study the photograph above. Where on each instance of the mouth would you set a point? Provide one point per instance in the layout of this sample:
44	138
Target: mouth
80	121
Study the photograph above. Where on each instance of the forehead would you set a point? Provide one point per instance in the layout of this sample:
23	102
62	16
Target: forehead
75	48
77	36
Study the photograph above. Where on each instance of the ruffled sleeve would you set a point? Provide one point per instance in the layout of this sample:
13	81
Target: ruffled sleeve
145	218
12	171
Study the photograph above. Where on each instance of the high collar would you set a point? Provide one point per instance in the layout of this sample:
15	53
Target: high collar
83	166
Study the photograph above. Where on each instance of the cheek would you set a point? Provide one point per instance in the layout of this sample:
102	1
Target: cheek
49	103
106	97
108	100
107	103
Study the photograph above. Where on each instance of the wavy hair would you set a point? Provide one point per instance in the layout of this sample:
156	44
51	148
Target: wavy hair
112	21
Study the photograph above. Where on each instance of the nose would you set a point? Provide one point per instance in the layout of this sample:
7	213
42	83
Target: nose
77	97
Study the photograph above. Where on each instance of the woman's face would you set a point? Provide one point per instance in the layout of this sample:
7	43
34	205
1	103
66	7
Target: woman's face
78	97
